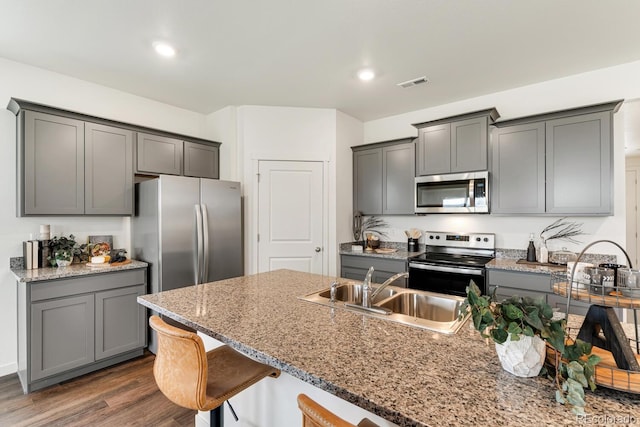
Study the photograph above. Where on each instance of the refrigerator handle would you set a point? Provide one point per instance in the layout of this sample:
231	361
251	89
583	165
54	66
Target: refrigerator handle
205	239
198	258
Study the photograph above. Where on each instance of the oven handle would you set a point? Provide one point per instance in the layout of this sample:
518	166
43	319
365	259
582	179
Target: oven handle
472	271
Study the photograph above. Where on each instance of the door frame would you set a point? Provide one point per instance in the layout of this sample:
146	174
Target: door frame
251	239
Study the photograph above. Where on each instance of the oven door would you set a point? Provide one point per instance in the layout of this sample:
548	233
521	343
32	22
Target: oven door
443	279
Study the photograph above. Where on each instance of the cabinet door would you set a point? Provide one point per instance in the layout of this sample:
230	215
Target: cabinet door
469	145
158	154
398	178
108	170
201	160
518	169
53	165
62	335
579	164
120	321
433	151
367	181
353	273
503	293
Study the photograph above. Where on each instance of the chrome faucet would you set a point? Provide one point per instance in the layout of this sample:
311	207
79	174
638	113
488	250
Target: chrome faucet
387	282
367	290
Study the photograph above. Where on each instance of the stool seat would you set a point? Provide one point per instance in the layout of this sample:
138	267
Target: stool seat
195	379
316	415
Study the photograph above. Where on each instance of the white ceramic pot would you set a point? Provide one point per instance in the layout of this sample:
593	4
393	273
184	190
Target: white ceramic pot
522	358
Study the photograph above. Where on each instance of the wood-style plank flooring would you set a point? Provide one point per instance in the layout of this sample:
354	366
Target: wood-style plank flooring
122	395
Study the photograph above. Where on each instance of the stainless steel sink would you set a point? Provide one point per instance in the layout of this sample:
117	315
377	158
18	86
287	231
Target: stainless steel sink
426	310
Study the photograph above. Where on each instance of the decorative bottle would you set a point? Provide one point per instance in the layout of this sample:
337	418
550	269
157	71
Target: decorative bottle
544	253
531	250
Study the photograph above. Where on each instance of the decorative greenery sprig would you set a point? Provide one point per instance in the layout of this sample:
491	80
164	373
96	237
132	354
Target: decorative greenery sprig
65	247
527	316
372	223
562	230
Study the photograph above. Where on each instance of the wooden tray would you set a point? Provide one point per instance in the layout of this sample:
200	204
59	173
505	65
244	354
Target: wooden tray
560	288
106	264
385	250
607	374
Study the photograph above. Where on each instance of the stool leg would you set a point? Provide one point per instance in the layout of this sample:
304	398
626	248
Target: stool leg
216	417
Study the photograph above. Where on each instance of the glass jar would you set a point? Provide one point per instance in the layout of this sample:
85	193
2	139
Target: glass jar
562	257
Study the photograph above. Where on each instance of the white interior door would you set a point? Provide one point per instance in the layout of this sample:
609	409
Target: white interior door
632	214
290	216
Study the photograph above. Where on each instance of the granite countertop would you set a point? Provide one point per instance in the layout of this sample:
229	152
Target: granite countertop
74	270
511	264
401	252
409	376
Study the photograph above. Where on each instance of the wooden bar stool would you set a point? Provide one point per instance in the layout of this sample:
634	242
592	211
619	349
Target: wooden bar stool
316	415
195	379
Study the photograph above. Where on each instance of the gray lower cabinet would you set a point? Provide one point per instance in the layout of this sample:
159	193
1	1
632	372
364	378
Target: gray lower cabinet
201	160
510	283
383	178
69	327
518	169
355	267
72	167
157	154
454	144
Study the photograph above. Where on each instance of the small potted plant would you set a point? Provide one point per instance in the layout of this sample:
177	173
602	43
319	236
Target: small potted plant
62	250
523	323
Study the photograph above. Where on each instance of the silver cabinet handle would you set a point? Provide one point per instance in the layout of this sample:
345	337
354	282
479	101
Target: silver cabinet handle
318	248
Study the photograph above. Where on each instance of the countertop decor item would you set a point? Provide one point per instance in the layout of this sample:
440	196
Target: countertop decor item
363	225
64	249
561	230
519	317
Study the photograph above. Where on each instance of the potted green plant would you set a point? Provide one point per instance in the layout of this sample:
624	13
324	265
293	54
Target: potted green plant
62	250
522	318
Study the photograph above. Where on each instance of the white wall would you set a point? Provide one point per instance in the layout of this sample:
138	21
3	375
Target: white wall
38	85
283	133
221	126
574	91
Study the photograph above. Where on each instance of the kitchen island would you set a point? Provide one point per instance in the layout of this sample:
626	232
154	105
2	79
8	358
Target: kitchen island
408	376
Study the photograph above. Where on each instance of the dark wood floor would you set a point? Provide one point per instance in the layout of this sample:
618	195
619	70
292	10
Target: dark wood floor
123	395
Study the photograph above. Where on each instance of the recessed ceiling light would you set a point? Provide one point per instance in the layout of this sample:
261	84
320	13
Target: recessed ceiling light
366	74
164	49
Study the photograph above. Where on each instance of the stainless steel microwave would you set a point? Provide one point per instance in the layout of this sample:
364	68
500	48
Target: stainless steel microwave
452	193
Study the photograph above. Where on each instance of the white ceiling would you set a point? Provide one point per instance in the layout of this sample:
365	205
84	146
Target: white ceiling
306	53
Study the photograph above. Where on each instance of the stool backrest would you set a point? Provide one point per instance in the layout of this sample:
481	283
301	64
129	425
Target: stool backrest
315	415
180	368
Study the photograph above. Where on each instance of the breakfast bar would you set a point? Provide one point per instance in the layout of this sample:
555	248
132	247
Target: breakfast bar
406	375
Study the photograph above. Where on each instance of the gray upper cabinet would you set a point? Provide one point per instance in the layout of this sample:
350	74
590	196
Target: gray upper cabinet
158	154
454	144
398	178
367	181
579	164
557	163
108	170
201	160
52	165
433	150
518	169
383	177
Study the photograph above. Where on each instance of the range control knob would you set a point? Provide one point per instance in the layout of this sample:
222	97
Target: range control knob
431	237
486	239
437	237
477	239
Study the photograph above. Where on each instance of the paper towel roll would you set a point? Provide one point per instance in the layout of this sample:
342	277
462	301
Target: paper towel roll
45	232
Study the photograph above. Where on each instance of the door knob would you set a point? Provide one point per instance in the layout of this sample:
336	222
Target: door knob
318	248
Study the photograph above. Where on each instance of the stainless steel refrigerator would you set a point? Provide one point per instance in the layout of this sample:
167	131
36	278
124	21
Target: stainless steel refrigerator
189	230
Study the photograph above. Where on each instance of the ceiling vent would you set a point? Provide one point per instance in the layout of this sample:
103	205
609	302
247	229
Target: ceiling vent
413	82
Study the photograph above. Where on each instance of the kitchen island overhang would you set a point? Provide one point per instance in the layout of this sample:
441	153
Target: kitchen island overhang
406	375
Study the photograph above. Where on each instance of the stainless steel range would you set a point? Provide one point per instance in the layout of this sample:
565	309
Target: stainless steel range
451	260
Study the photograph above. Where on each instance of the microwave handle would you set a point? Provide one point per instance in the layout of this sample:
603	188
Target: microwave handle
472	200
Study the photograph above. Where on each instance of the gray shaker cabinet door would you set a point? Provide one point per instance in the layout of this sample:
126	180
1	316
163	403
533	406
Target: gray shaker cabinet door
398	178
62	335
53	165
367	181
433	151
108	170
201	160
120	321
518	169
579	165
469	145
158	154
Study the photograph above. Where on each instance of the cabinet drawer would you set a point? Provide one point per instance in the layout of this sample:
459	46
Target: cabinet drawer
85	284
520	280
381	264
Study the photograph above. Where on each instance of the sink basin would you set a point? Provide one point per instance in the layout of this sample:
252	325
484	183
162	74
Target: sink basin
430	307
352	293
422	309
